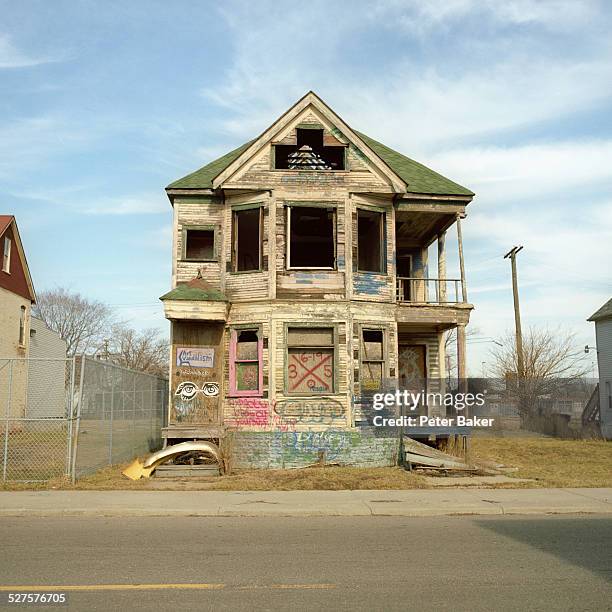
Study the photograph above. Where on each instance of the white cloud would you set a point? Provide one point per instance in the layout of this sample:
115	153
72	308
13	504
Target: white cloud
498	174
11	57
154	203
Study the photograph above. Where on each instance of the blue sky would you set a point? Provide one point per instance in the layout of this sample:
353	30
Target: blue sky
103	104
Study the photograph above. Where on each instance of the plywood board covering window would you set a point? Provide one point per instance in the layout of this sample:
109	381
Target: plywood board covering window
310	360
199	244
311	237
370	246
6	255
372	359
246	351
247	228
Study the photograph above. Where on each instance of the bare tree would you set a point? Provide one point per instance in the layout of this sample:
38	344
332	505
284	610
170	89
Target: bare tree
450	348
79	321
550	361
146	351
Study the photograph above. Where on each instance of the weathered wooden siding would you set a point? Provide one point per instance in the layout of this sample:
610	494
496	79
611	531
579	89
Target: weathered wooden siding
198	210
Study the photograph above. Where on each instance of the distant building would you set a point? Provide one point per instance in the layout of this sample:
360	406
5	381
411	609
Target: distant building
603	334
47	374
16	300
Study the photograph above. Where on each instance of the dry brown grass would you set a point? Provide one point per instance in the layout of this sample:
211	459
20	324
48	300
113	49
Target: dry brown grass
549	461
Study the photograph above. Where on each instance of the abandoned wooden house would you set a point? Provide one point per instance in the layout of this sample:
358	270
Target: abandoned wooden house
300	278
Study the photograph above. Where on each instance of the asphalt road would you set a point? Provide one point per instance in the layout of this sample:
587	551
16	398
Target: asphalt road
346	563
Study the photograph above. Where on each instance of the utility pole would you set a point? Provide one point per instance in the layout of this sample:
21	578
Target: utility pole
517	314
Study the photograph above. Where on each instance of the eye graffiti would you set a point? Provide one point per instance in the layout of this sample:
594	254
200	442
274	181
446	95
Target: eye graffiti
187	390
211	389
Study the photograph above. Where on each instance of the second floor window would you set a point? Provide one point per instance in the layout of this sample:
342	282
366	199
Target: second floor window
199	244
371	241
311	237
6	256
247	233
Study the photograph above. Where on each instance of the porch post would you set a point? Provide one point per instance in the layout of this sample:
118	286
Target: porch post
461	264
441	267
461	360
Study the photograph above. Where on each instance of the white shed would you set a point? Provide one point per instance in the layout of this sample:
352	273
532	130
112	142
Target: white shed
603	334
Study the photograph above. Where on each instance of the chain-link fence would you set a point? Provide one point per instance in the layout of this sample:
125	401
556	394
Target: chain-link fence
70	417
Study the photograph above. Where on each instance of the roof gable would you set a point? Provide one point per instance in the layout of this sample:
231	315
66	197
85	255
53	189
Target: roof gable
18	279
605	312
403	173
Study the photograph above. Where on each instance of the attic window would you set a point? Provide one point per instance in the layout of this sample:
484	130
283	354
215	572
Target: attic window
311	242
6	256
199	244
309	153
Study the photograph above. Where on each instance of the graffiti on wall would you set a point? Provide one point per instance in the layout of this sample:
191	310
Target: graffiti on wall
282	415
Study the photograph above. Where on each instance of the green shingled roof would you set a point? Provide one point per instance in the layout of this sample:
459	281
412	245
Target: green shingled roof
203	178
605	312
195	289
419	178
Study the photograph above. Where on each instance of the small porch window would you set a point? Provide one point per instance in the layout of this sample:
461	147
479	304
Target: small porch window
310	360
372	359
311	237
247	227
246	373
6	255
370	246
199	243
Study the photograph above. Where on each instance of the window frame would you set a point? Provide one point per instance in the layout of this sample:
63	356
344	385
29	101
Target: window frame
209	227
235	210
385	352
22	327
335	349
7	249
233	341
333	206
382	238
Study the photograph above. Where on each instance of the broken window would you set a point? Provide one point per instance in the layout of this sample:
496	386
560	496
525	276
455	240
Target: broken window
6	256
247	239
310	360
246	374
311	237
372	359
370	245
310	152
199	244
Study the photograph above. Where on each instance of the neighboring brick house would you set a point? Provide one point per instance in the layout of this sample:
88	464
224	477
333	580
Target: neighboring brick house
300	278
16	299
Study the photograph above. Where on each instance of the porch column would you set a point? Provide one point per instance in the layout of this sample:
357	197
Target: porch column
461	264
461	360
441	267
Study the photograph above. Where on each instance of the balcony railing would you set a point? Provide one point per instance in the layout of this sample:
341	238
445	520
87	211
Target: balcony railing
429	290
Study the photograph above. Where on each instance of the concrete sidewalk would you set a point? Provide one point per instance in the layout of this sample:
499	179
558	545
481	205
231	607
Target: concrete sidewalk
417	502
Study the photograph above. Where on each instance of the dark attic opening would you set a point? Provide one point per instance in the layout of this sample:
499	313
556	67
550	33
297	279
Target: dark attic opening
311	237
310	152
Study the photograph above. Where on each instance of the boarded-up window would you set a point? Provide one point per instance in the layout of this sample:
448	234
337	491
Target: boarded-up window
372	359
310	360
370	230
246	362
247	240
199	244
311	232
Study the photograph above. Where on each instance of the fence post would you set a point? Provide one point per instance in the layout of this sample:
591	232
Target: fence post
112	412
6	420
70	414
78	421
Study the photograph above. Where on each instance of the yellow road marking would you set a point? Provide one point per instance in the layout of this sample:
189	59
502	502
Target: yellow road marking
152	587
